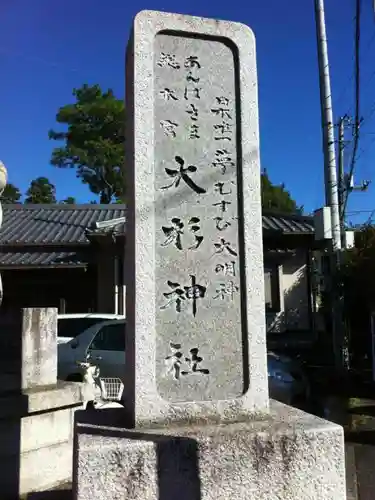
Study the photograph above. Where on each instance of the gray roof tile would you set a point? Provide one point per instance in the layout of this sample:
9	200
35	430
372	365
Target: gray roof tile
53	224
41	259
288	224
64	225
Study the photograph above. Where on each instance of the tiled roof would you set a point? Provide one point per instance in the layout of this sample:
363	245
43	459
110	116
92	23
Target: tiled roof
41	259
69	225
288	224
25	225
53	224
284	224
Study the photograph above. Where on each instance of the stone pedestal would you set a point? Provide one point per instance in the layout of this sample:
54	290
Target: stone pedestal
36	436
287	455
36	410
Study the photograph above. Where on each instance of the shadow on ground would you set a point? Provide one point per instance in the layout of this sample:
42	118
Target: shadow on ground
65	494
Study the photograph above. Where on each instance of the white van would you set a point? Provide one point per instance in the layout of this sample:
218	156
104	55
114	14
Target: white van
71	325
105	342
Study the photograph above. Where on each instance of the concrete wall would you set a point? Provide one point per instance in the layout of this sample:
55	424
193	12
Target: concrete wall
294	296
36	450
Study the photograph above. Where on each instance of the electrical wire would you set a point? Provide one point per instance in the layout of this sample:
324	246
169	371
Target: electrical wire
357	100
362	151
350	79
365	120
359	212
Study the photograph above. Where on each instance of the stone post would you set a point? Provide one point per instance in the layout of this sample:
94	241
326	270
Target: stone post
39	351
36	410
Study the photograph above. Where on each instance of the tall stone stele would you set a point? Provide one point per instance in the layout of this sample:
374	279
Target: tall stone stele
3	183
195	324
198	422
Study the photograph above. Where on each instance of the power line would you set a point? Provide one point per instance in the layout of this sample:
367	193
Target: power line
359	212
365	119
357	36
362	150
352	76
364	122
349	82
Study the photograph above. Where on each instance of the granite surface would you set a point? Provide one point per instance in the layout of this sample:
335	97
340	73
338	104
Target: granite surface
39	347
198	262
195	297
354	490
289	455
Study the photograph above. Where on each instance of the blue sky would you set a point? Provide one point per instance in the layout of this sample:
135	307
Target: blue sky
47	48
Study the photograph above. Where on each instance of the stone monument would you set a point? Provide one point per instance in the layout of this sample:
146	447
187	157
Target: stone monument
194	225
198	423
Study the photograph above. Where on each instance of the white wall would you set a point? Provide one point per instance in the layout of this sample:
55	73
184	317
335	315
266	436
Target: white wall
110	288
294	303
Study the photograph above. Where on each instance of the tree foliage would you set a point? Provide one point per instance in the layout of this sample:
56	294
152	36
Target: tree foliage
93	140
70	200
358	290
357	272
94	145
11	194
41	191
277	198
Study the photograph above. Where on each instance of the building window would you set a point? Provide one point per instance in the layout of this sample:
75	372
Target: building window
272	288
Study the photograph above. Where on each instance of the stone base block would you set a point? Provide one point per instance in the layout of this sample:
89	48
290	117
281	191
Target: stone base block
287	455
36	470
19	404
36	438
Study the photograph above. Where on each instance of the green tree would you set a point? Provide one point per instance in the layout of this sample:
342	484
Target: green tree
357	271
94	145
277	198
11	194
93	140
357	287
70	200
41	191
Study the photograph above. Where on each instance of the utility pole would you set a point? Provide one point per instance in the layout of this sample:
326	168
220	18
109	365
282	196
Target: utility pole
341	165
328	126
343	181
330	177
346	181
342	185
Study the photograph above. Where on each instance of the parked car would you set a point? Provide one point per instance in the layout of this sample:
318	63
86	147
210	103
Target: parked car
71	325
105	342
287	380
